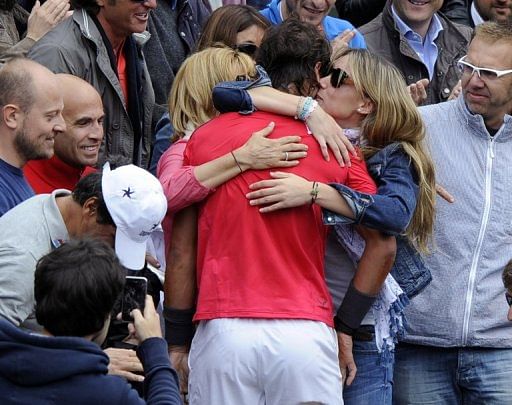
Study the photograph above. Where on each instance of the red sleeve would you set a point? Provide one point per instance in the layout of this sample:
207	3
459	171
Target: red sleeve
359	179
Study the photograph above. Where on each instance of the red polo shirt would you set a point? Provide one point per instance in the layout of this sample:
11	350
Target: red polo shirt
253	265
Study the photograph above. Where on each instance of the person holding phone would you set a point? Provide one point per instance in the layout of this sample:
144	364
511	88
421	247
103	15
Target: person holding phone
75	316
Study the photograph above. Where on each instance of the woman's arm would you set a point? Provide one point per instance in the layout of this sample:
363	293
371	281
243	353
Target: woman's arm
232	97
185	185
287	190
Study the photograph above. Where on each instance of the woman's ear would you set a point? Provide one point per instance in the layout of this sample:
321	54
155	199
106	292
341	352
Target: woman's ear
367	106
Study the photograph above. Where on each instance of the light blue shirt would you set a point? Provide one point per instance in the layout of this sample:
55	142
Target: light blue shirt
426	49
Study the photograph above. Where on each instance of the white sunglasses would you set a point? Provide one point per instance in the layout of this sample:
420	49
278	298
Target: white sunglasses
483	73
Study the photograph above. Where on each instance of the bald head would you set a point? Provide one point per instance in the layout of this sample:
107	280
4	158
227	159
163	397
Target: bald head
83	113
21	79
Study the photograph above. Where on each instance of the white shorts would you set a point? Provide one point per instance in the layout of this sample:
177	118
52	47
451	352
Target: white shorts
264	362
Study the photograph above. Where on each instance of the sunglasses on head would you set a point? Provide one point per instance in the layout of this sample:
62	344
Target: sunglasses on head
248	49
338	76
483	73
509	299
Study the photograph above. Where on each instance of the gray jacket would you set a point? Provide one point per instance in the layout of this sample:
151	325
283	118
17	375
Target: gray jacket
75	46
465	303
383	38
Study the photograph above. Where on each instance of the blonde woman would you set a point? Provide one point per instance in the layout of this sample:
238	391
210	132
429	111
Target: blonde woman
368	97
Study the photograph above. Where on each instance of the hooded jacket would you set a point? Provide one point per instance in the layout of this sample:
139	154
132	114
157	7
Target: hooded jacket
37	369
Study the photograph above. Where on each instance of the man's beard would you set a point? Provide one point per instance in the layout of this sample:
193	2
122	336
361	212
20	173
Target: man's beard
26	148
7	5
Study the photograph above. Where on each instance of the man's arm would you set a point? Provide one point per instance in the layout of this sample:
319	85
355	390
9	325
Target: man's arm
16	284
371	272
180	290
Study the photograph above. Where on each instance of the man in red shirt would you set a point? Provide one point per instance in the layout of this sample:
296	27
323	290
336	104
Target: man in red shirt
266	326
77	148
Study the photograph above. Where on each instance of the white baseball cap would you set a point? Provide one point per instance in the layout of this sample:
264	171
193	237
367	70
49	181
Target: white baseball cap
136	201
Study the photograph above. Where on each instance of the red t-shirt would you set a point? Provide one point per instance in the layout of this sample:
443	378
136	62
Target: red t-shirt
47	175
253	265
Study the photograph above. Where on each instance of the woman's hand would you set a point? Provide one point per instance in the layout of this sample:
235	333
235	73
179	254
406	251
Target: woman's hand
329	135
259	152
286	190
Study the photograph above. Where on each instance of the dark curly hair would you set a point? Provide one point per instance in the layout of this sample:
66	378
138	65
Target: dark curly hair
289	53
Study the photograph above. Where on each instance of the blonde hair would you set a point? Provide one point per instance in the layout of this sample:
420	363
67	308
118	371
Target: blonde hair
395	118
491	31
190	100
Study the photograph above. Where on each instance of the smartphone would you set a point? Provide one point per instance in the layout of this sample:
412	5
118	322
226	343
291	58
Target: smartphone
134	296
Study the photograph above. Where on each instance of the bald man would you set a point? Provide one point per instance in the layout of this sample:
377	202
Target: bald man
31	117
77	148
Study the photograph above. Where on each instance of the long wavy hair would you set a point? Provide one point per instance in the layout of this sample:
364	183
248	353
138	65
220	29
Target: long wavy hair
190	100
395	118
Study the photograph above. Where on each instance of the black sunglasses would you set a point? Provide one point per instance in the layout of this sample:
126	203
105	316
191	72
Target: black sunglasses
509	299
248	49
338	76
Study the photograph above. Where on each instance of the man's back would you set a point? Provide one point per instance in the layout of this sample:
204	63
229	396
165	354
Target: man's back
257	265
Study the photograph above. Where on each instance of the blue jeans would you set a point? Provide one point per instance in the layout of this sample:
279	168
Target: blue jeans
452	376
373	384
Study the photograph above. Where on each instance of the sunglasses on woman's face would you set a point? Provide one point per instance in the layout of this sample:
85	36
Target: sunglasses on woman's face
338	76
248	49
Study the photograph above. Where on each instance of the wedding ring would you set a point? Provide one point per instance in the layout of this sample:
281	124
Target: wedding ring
285	156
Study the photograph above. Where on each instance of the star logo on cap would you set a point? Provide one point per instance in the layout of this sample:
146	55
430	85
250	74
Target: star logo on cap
128	193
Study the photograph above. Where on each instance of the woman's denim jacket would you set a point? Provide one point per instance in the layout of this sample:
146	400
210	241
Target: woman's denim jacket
389	211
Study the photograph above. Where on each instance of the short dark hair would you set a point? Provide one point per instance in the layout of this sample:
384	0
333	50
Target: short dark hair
75	287
88	187
507	276
88	5
17	84
290	51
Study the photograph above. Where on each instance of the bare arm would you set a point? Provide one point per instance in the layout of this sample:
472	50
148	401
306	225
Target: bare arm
326	131
185	185
287	190
257	153
375	264
180	280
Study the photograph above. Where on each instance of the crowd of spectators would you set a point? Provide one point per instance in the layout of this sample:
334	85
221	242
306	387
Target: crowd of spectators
312	196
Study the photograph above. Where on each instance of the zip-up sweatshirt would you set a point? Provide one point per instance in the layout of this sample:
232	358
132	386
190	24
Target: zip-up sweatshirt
465	304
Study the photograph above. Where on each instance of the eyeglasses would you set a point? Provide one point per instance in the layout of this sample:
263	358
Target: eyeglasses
248	49
483	73
509	299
